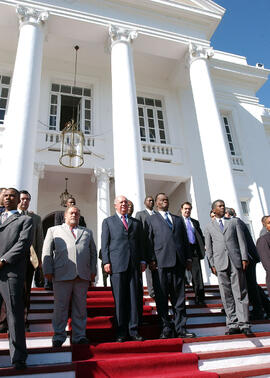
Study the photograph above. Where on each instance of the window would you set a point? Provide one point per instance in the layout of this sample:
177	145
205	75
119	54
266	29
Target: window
69	102
228	131
4	92
244	205
151	120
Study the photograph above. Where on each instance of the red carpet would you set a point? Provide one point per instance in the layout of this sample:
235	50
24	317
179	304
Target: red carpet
151	358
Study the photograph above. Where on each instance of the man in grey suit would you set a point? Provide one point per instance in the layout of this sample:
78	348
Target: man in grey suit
227	253
15	241
143	216
36	248
69	258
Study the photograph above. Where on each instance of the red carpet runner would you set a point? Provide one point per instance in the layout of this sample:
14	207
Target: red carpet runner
150	358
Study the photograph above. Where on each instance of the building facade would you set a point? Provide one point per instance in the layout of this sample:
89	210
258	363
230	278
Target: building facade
161	110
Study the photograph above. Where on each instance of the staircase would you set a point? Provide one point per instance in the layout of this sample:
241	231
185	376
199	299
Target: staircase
211	352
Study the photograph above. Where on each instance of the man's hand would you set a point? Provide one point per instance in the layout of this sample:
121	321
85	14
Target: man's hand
245	265
153	266
143	267
1	264
188	265
214	271
49	277
108	268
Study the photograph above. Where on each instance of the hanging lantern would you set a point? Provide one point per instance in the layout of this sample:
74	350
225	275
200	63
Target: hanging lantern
72	139
72	142
65	195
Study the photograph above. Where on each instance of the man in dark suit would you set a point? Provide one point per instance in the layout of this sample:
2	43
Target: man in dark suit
143	216
196	243
121	249
3	312
170	255
263	230
263	247
36	248
59	217
256	294
227	252
15	241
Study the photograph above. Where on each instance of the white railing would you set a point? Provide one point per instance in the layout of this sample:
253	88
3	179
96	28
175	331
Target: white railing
166	153
52	139
237	163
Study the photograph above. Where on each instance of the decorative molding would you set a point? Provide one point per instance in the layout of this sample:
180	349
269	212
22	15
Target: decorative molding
196	52
103	174
120	34
31	15
39	169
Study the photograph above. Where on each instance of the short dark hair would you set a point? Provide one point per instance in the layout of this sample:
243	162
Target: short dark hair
186	203
230	211
214	204
159	194
26	192
15	190
263	218
148	197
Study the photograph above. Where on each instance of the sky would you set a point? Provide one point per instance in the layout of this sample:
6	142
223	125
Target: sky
245	30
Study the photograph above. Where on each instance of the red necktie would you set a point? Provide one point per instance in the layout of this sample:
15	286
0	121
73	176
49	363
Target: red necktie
124	222
73	233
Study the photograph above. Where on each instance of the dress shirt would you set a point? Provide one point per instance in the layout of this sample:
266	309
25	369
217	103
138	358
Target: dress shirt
150	212
218	219
120	216
10	212
163	214
74	229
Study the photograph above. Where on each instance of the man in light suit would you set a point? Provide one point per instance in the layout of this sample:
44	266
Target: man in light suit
69	258
263	247
59	217
15	241
122	257
143	216
196	243
227	253
169	255
37	245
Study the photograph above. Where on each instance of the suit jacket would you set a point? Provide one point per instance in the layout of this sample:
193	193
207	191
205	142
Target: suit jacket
253	256
166	244
66	257
38	238
60	219
222	245
199	237
263	248
119	246
15	241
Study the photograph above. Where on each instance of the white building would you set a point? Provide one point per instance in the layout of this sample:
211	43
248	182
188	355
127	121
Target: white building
160	109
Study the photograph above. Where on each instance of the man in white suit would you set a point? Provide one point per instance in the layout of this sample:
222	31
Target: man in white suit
69	259
226	250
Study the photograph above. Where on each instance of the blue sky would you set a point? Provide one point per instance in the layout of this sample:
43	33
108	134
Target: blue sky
245	30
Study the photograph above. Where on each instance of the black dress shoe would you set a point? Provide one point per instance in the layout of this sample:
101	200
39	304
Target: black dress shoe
166	335
186	335
57	343
19	365
233	331
247	331
121	339
136	338
83	340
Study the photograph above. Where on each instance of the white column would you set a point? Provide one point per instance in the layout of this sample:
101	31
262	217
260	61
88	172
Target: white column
21	122
103	208
128	168
216	159
38	174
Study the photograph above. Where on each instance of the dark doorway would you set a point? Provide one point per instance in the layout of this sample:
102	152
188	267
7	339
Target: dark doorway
69	109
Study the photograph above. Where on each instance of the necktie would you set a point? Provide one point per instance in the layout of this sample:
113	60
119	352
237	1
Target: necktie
191	236
221	226
4	216
73	233
124	222
168	221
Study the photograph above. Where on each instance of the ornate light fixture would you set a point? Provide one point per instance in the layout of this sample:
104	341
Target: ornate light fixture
72	139
65	195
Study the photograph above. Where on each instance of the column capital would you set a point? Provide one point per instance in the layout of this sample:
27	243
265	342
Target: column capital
121	34
29	15
103	173
196	52
39	169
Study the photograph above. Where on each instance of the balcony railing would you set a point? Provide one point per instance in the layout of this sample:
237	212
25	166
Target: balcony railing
163	153
237	163
51	140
